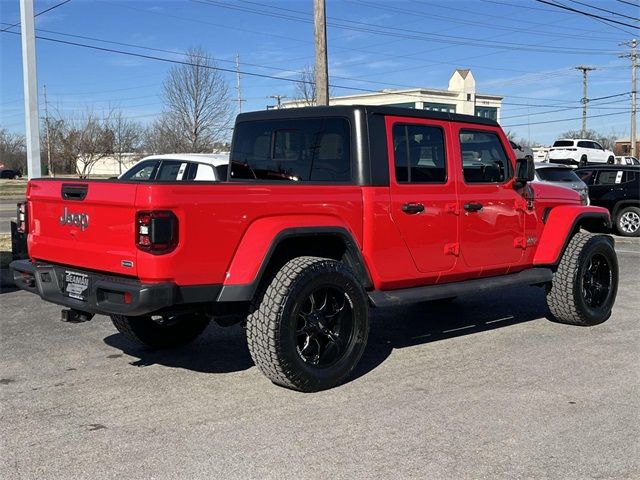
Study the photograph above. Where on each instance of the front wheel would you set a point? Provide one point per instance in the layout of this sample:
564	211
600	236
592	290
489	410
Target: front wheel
309	324
610	160
628	221
585	284
161	331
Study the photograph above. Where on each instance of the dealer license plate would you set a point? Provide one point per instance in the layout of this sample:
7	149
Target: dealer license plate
76	285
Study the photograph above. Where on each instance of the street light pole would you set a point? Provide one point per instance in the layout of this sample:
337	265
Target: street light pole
30	89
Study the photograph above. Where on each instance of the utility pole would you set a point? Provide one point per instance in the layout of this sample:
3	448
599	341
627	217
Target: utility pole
46	123
278	99
32	119
239	100
320	36
634	94
585	70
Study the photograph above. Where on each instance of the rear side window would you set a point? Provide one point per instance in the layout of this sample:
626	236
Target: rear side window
563	143
292	150
587	176
609	177
171	170
419	154
557	175
585	144
484	159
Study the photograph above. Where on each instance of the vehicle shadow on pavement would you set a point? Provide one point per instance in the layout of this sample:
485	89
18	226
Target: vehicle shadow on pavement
427	322
224	350
217	350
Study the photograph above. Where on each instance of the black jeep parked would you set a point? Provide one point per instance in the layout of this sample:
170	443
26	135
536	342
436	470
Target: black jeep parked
616	188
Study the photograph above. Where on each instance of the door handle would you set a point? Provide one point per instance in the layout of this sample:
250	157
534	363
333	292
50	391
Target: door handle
473	207
413	208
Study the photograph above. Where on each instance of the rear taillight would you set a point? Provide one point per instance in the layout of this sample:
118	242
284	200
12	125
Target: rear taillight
21	217
156	231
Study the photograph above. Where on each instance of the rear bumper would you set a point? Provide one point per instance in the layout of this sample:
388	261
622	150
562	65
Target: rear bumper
106	294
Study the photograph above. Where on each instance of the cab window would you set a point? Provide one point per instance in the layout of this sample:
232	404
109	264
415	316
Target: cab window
419	154
484	159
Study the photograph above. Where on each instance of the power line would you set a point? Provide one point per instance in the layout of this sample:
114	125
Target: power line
629	3
605	10
410	34
592	15
457	20
38	14
563	120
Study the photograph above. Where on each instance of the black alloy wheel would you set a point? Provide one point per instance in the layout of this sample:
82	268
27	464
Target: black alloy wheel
324	326
596	281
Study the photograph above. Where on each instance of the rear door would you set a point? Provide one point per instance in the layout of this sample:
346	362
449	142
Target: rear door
492	219
87	224
423	191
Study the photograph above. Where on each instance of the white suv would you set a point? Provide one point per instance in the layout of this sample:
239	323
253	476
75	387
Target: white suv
578	151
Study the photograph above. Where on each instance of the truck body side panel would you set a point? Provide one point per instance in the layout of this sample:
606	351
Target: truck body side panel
213	219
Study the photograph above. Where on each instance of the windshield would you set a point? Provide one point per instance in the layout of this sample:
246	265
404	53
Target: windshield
557	175
563	143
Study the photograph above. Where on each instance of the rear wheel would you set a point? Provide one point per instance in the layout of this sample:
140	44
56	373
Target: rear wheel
628	221
585	284
309	324
161	331
583	161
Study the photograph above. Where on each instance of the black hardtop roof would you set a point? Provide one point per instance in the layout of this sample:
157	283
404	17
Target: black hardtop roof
348	111
609	166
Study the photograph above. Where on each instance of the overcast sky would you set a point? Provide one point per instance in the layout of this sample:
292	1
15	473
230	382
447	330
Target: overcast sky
524	50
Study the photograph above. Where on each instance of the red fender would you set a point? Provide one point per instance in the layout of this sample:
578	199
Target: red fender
259	237
559	227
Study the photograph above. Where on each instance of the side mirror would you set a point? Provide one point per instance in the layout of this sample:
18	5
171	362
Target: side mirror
525	172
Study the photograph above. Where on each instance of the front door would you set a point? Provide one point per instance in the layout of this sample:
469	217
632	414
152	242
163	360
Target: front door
423	191
492	215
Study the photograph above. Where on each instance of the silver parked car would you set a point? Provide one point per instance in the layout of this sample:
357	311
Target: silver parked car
564	176
521	151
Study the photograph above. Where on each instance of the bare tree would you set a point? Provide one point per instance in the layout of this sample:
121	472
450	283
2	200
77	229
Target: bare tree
13	150
126	134
306	86
162	137
80	142
197	100
305	89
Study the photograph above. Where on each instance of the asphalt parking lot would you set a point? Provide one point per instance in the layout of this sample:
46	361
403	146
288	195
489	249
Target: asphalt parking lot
484	388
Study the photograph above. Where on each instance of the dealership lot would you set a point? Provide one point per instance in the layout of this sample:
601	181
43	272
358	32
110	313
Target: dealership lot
483	388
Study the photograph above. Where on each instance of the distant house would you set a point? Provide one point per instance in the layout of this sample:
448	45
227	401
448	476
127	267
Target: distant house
459	97
110	166
622	147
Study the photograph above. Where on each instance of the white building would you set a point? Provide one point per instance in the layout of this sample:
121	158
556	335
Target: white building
460	97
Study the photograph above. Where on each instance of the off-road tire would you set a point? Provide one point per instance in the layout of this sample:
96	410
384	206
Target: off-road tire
630	214
566	299
151	333
271	324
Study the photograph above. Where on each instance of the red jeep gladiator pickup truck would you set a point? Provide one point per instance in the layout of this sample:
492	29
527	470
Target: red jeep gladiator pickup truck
326	212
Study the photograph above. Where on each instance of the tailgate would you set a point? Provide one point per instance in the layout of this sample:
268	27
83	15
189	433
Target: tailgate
87	224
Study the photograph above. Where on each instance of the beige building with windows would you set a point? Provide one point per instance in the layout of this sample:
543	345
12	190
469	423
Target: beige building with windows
459	97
